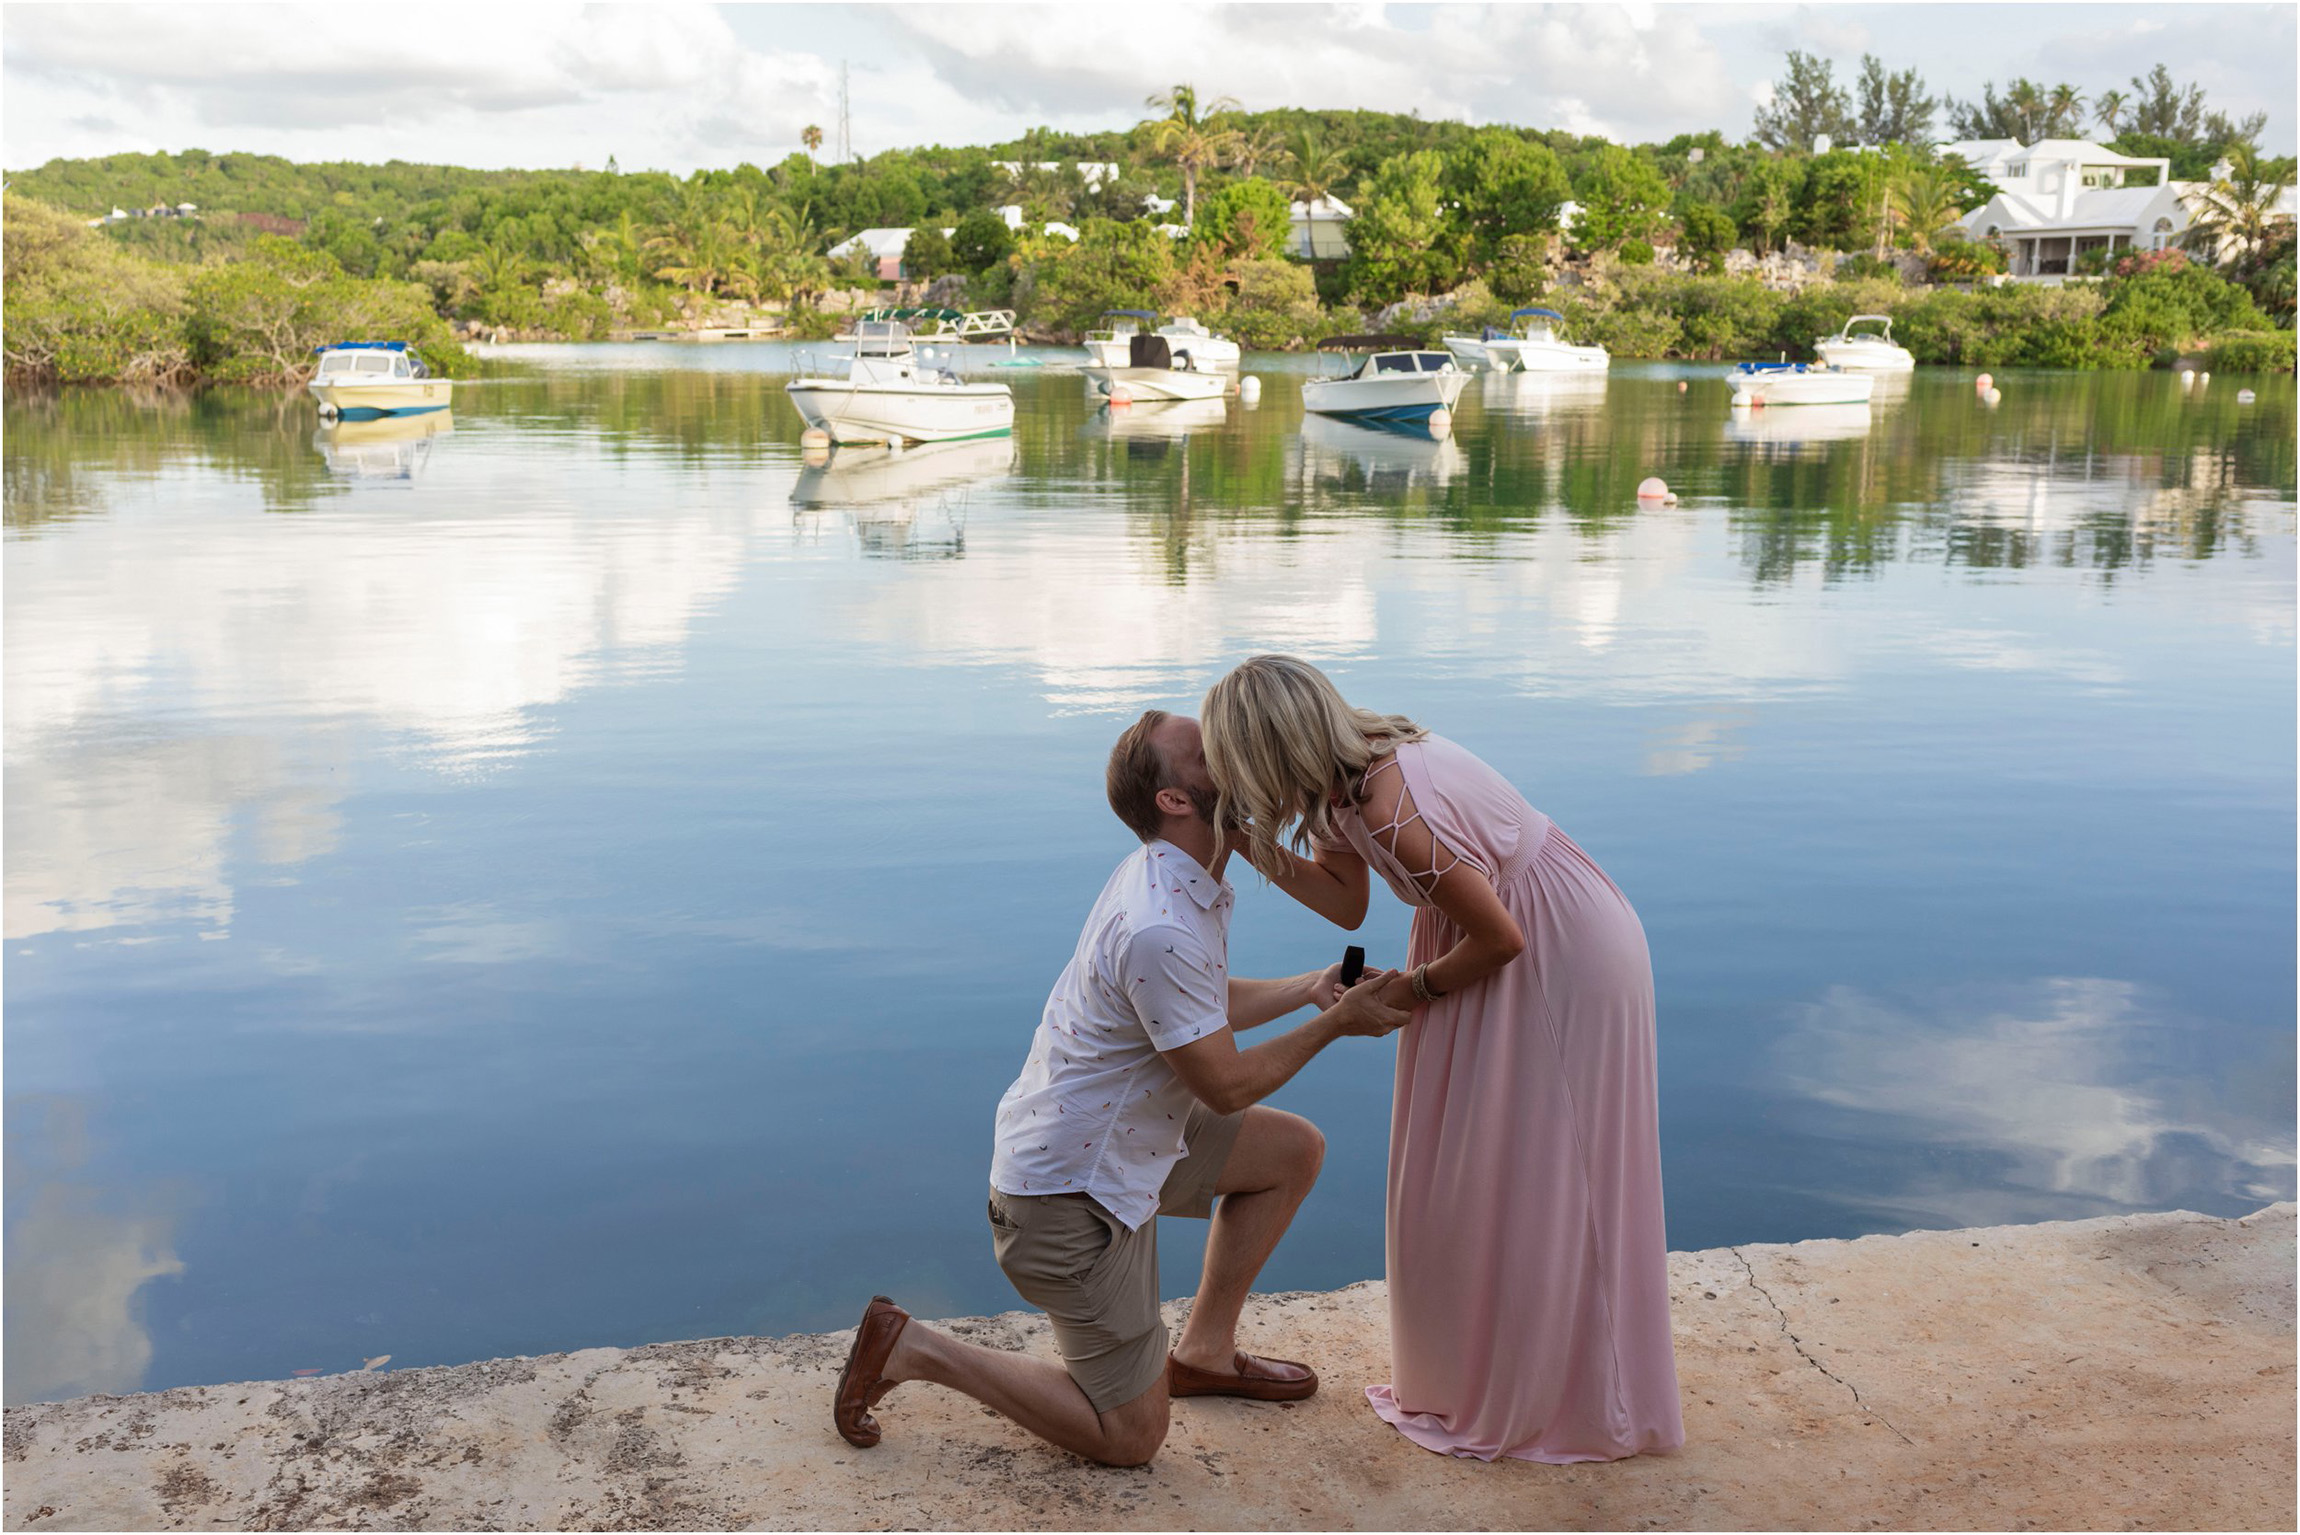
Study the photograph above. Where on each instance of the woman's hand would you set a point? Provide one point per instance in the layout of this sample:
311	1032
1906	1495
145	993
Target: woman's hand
1365	1009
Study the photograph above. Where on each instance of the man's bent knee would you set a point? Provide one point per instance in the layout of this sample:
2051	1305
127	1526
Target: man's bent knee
1132	1434
1308	1152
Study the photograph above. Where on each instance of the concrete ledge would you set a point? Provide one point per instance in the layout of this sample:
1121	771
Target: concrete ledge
2133	1372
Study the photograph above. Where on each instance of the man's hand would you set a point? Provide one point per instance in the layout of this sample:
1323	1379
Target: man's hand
1362	1011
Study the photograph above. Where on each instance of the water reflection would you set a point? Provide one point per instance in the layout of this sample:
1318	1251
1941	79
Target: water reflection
1346	455
79	1258
2076	1096
1154	419
384	448
1542	396
549	810
862	476
1796	425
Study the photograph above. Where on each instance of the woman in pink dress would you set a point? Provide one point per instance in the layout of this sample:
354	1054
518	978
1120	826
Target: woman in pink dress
1528	1271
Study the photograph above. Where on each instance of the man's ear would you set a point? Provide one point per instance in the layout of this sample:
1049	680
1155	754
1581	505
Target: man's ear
1172	801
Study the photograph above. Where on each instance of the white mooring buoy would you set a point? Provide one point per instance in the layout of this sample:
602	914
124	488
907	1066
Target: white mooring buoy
1250	389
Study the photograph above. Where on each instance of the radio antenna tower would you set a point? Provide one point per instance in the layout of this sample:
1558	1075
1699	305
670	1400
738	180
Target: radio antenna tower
846	129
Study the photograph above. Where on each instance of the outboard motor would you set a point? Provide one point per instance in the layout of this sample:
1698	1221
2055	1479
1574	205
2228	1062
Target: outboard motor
1146	349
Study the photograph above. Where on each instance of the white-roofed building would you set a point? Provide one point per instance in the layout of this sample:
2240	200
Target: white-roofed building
885	247
1318	230
2061	199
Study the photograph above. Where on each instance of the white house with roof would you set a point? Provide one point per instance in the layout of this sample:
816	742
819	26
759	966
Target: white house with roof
2060	199
1093	172
1318	230
885	248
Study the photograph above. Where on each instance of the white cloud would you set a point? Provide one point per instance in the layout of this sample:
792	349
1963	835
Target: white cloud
2062	1079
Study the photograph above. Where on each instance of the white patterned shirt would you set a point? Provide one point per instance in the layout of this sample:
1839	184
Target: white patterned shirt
1097	1110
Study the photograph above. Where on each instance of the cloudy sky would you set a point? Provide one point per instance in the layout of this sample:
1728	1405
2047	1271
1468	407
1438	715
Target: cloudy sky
678	86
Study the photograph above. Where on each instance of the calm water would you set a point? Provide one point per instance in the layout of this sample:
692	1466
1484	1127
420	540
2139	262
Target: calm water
585	878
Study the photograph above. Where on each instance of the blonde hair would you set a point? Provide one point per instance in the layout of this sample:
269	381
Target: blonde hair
1281	742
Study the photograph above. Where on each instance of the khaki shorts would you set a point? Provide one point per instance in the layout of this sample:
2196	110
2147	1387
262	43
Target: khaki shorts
1096	1281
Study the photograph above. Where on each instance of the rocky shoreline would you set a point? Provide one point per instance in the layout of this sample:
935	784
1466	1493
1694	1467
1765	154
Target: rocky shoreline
2128	1372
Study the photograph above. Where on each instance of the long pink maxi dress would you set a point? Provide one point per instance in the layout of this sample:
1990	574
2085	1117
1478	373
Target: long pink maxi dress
1528	1270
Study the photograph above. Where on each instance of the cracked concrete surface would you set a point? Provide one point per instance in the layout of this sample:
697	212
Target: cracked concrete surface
2128	1373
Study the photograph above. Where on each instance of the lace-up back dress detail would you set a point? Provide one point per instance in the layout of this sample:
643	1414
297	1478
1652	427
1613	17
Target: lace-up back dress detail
1528	1266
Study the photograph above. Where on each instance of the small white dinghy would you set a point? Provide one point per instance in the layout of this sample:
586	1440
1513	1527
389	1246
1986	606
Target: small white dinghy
1154	371
1796	383
894	393
1398	380
1871	351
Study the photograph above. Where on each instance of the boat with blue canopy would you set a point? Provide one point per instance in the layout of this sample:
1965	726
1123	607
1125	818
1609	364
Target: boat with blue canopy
357	380
1531	345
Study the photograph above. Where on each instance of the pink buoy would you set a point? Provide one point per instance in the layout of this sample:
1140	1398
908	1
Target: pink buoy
1652	488
1981	384
1119	395
1681	386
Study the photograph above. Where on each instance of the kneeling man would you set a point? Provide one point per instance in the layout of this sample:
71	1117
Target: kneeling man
1137	1102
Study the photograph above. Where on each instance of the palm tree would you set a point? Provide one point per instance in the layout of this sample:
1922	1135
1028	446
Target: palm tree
1313	173
1252	148
2065	111
2107	108
1189	138
1924	201
2235	213
812	137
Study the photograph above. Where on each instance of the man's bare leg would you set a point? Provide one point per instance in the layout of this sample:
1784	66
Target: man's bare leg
1040	1396
1269	1173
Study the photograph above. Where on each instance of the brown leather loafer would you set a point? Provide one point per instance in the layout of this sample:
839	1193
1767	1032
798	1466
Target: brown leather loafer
859	1386
1259	1380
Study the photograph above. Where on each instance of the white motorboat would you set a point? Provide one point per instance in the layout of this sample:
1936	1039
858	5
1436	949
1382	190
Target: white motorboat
1154	371
359	380
895	393
1396	381
1111	348
1206	349
1870	351
1534	346
1796	383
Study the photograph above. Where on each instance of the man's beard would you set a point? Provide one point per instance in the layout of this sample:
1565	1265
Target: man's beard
1203	801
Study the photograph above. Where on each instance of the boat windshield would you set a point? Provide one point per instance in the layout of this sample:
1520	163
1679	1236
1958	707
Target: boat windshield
881	338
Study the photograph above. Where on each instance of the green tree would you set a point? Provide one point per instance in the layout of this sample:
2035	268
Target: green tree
1705	235
1623	197
261	319
1399	237
2235	213
1807	103
1249	219
1894	106
1768	202
80	310
1923	201
1187	136
1314	171
1841	202
1113	266
981	241
928	252
1502	185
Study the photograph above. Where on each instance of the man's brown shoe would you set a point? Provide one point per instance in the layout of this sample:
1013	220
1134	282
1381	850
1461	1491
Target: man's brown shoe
859	1385
1260	1380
